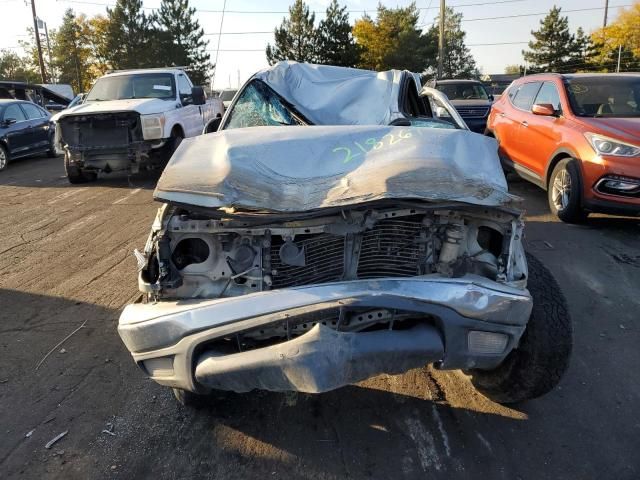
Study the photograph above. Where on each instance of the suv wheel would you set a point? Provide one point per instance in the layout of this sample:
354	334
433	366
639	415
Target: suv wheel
538	363
564	192
77	175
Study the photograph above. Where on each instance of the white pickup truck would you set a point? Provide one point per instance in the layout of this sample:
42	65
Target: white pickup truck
131	120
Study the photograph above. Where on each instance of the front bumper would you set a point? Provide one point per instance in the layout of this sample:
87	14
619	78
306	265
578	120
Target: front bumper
169	340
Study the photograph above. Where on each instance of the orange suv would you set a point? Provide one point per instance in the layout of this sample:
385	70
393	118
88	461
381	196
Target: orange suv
577	136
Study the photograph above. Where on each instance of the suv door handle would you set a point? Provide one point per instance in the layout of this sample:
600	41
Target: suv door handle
525	124
502	114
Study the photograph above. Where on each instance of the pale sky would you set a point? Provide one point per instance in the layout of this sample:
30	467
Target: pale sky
234	64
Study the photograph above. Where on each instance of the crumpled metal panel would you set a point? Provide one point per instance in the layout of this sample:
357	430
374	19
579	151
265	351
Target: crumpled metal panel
364	97
321	360
294	169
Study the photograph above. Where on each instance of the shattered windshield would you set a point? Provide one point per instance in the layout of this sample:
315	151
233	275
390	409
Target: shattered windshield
259	106
140	85
604	96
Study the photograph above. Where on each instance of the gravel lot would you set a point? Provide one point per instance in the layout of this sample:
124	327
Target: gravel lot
66	259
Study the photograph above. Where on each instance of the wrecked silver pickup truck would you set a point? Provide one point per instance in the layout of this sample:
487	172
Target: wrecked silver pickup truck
307	258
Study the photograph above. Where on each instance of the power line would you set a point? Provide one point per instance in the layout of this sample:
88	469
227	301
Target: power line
240	33
283	12
542	13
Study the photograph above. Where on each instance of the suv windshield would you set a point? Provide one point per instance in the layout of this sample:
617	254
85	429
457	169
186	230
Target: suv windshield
604	96
463	91
141	85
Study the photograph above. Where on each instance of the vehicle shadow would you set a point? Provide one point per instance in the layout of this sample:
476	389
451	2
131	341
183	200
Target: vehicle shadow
44	172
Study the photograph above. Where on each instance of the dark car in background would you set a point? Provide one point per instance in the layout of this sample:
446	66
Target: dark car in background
471	100
25	129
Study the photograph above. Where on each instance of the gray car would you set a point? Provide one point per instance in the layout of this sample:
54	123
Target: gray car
471	100
319	238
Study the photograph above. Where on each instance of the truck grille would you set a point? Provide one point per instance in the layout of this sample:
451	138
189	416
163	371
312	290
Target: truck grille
473	112
392	248
101	131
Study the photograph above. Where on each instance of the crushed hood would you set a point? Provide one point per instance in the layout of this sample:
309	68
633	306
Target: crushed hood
365	97
141	105
294	169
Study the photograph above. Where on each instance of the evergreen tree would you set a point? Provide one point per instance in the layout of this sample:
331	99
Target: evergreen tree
130	41
458	61
182	39
296	38
394	40
72	52
335	42
554	45
583	54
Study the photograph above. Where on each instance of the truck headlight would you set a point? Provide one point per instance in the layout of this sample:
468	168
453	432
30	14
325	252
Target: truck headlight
152	126
610	146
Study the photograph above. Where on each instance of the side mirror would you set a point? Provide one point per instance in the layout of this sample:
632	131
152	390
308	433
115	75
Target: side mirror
8	121
544	109
198	96
212	126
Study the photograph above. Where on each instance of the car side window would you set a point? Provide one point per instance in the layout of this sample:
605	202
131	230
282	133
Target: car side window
184	87
14	111
32	111
524	96
258	105
549	94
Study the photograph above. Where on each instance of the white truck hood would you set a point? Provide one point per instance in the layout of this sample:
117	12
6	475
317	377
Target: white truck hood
295	169
143	106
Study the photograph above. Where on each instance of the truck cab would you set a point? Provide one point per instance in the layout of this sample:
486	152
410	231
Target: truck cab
131	120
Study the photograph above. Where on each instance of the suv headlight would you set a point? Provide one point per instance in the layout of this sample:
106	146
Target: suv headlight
610	146
152	126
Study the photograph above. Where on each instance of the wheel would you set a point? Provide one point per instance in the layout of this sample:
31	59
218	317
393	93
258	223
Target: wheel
190	399
564	192
77	175
174	143
4	157
538	363
51	153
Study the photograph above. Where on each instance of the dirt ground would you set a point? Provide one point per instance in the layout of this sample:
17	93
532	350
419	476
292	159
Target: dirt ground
65	259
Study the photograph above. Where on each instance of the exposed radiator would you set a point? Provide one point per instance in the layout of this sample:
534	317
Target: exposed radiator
393	248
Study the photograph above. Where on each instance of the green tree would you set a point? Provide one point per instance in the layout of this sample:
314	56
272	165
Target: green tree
394	40
71	51
336	45
620	38
183	39
584	52
14	67
513	69
554	45
129	39
458	61
296	38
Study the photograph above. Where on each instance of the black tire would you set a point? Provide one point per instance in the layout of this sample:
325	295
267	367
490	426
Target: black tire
538	363
77	175
51	153
569	209
174	143
4	157
190	399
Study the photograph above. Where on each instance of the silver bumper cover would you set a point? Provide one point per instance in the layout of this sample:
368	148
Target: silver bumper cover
163	337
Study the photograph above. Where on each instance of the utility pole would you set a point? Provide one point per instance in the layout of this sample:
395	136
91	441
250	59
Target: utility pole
606	12
215	65
46	34
43	73
441	39
619	55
